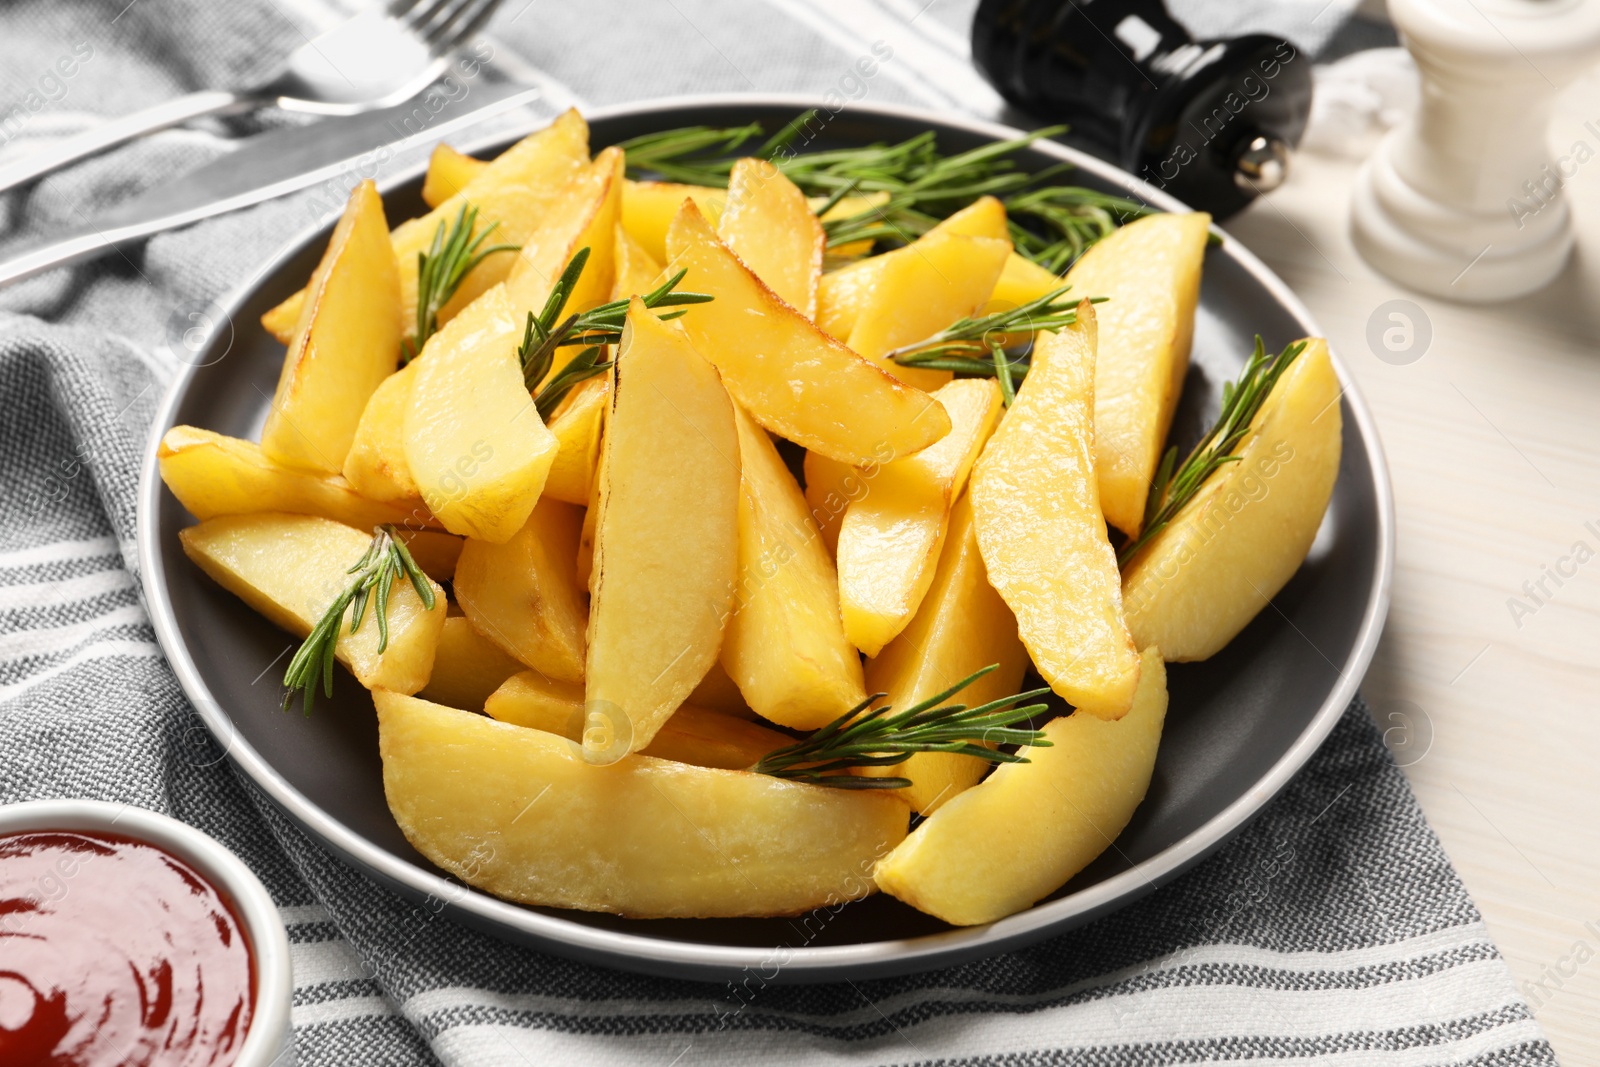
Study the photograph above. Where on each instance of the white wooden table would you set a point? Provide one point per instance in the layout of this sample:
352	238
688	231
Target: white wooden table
1493	438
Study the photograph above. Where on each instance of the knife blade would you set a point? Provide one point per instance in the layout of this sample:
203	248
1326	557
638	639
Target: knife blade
270	165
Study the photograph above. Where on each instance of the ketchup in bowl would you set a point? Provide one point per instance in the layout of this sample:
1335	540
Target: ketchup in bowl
115	953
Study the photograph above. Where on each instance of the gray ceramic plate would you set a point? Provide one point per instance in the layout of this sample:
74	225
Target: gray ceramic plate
1239	726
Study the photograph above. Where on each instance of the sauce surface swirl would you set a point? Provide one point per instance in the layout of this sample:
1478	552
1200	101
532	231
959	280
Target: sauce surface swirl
115	953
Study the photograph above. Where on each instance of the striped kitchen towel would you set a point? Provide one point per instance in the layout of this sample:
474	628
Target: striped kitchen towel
1332	930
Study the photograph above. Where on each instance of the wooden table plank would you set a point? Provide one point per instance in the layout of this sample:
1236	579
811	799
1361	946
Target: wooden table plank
1493	438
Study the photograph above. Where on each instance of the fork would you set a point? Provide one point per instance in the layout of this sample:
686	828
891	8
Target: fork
371	60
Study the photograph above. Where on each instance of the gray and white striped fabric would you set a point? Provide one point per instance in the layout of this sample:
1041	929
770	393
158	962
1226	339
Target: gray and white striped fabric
1333	930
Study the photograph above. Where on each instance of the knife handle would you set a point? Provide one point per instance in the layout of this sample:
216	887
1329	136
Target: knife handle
109	134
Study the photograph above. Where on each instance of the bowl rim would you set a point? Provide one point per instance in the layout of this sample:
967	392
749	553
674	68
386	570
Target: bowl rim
269	1030
658	955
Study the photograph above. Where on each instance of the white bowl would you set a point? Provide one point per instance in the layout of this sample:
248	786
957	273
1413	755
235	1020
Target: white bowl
270	1040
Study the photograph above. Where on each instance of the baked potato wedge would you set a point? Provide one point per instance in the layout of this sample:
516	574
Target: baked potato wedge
642	837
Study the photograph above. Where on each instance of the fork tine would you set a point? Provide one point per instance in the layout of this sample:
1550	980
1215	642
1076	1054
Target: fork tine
429	13
419	14
462	23
405	11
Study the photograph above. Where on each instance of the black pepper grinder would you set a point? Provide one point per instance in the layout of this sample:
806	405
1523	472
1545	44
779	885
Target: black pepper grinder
1211	122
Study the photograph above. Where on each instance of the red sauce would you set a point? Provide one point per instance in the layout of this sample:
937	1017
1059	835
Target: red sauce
114	953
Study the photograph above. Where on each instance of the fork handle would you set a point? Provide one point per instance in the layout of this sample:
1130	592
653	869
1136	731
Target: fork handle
106	135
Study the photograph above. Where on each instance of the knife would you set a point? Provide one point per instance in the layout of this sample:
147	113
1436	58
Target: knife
270	165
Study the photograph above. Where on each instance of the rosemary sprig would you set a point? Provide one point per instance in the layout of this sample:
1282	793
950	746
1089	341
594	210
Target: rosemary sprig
971	345
593	329
896	221
696	155
882	738
587	364
704	155
386	558
1175	485
833	201
1050	224
1066	220
451	256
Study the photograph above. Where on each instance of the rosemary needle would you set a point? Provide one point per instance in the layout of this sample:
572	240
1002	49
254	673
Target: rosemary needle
593	329
451	256
1172	490
881	737
386	558
971	345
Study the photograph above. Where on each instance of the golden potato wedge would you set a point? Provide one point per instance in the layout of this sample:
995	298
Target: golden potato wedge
346	342
290	568
376	463
691	735
1037	508
890	539
524	595
1023	281
583	216
577	426
961	627
514	190
843	293
648	209
642	837
830	488
1225	556
474	441
794	379
281	319
921	289
636	270
1150	269
785	645
666	540
212	475
984	217
449	172
769	225
966	864
848	207
467	667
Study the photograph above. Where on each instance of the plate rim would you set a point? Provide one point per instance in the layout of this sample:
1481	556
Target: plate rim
683	958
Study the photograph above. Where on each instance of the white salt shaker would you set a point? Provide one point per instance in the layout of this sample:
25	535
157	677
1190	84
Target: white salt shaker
1464	201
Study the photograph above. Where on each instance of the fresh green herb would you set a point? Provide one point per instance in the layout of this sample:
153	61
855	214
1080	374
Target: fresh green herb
705	155
587	364
386	559
1050	224
834	200
1006	372
972	345
1065	221
1172	490
543	336
696	155
882	738
594	329
453	253
894	222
